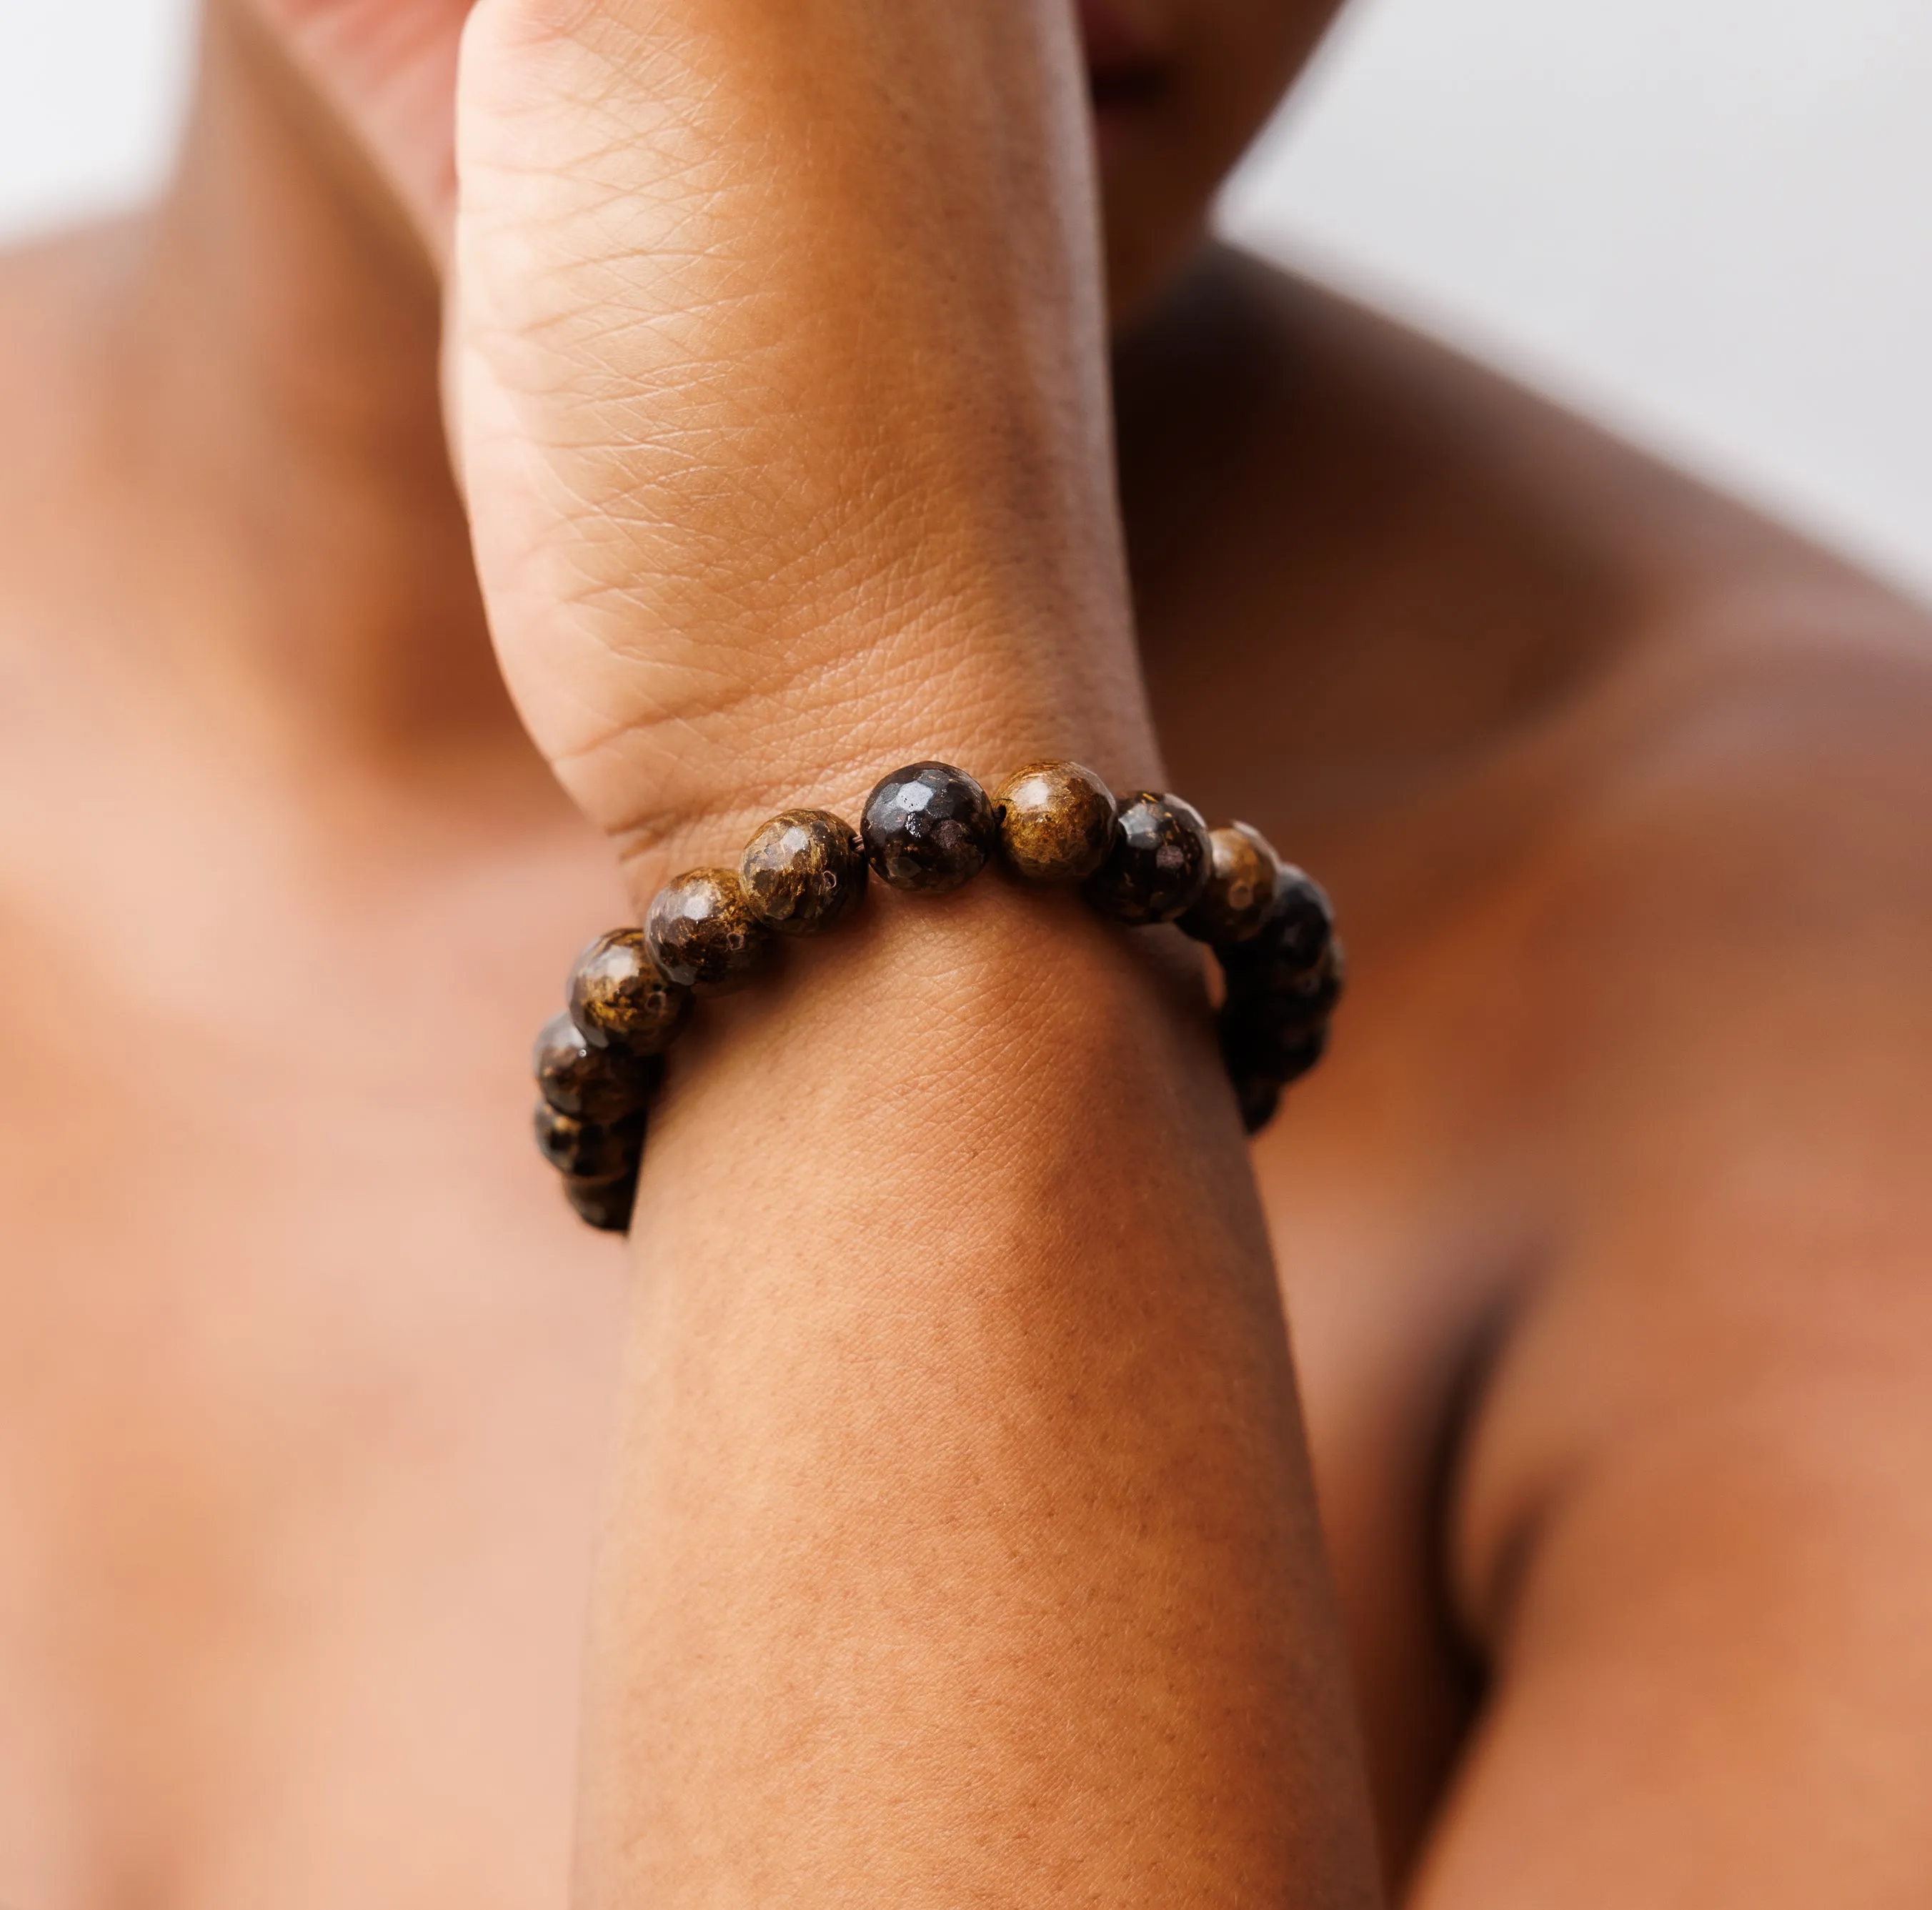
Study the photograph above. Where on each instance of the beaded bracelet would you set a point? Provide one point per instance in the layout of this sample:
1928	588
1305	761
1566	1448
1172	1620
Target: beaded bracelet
929	827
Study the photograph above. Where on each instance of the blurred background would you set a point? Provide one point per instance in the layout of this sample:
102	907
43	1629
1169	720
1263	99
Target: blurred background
1707	222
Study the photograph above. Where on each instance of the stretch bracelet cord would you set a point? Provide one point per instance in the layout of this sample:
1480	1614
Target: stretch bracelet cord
929	828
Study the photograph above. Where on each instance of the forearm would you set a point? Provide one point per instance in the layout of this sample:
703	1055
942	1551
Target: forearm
963	1549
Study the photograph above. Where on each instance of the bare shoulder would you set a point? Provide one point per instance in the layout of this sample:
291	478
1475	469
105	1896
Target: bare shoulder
1720	932
1646	932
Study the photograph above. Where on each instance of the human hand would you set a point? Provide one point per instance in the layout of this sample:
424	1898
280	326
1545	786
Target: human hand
776	360
779	390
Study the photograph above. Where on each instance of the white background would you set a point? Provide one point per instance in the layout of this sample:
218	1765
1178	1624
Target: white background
1709	221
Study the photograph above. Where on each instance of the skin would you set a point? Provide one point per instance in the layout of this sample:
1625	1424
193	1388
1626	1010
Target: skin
1603	1251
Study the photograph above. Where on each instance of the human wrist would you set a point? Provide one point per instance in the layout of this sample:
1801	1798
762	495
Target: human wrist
685	786
929	829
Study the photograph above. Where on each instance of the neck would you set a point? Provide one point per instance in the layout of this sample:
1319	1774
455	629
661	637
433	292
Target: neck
272	388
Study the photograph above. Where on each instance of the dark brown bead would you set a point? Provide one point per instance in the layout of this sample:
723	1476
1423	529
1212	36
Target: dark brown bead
605	1205
619	998
587	1151
1056	821
803	871
1258	1100
1294	940
1158	863
1285	998
598	1085
1280	1032
929	827
1240	888
702	933
1252	1053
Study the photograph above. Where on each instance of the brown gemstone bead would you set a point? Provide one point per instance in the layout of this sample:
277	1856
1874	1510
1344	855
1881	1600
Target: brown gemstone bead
1159	863
702	933
1279	1032
620	999
804	871
605	1205
1294	940
1241	888
1258	1100
1252	1053
587	1151
598	1085
1056	821
928	827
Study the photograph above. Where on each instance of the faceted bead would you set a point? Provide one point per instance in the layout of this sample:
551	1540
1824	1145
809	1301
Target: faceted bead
620	999
803	871
1258	1099
1159	862
587	1151
1294	940
1056	821
702	933
928	827
1280	1032
598	1085
1241	888
605	1205
1287	995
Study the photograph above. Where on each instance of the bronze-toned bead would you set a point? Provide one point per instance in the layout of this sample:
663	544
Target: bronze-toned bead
619	998
803	871
929	827
1294	940
587	1151
1056	821
702	933
598	1085
605	1205
1241	881
1258	1100
1158	864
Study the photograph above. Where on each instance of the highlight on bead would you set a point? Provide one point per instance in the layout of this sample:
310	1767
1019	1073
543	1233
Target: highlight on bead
588	1083
1243	871
620	998
926	829
702	933
1056	821
1158	863
804	872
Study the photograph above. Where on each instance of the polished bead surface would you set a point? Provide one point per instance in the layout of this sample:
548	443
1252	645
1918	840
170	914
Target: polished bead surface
1287	997
1294	940
1258	1100
928	827
1056	821
605	1205
620	999
1241	880
586	1150
702	933
1159	862
592	1084
804	871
